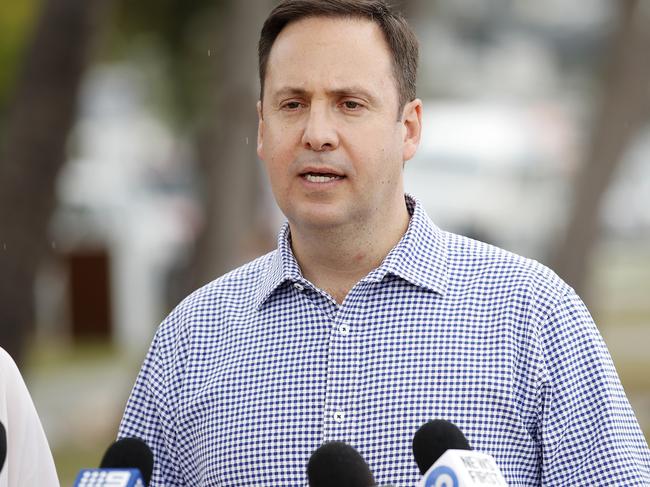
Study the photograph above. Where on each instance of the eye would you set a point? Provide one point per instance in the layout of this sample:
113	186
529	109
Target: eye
291	105
352	105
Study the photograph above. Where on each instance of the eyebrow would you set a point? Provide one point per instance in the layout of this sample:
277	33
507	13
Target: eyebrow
343	91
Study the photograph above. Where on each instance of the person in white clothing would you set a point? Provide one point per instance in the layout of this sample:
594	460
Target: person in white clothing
29	460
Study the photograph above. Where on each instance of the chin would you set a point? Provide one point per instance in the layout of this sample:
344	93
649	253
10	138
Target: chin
318	222
327	213
318	218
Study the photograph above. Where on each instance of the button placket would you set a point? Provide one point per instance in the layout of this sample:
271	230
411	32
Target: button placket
338	378
343	369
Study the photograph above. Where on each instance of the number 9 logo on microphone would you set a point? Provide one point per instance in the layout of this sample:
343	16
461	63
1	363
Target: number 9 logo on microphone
442	476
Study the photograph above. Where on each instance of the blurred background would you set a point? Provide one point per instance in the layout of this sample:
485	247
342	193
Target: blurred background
128	173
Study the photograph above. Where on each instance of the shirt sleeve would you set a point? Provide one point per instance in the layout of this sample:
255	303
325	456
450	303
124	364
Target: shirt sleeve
29	460
149	414
589	433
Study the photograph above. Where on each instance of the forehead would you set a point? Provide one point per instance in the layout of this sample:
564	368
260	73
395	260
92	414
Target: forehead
327	52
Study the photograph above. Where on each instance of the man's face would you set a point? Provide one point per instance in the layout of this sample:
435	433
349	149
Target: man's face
329	133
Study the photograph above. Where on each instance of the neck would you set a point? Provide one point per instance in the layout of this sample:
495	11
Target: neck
335	258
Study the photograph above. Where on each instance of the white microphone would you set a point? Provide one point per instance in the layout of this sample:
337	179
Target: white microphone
445	459
463	468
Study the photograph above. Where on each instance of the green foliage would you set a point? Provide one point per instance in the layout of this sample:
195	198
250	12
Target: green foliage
16	23
171	39
167	19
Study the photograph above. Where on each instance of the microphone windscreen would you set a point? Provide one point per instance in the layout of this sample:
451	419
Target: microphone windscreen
433	439
3	446
337	464
130	453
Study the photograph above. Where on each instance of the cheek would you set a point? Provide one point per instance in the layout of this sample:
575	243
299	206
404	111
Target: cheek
386	162
274	169
278	170
280	140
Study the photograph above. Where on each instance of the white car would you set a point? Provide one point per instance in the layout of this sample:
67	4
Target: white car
497	173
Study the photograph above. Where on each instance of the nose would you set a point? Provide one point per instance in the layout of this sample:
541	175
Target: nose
320	132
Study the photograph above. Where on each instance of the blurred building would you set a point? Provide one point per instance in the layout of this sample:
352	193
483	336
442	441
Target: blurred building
496	172
502	173
125	215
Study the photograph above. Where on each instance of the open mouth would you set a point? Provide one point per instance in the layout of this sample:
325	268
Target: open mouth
314	177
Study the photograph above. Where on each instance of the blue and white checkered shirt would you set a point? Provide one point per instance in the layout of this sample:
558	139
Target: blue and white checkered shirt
251	373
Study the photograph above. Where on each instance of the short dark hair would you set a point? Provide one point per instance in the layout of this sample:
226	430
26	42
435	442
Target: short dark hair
400	38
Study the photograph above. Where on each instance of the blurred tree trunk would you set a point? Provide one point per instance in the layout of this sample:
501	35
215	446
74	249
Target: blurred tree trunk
624	107
232	232
42	113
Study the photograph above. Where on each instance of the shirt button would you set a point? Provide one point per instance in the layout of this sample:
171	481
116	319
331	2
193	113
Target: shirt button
344	329
338	416
298	286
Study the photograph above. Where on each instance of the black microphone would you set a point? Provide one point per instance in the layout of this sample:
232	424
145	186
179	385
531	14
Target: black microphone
3	446
130	453
433	439
337	464
127	462
444	457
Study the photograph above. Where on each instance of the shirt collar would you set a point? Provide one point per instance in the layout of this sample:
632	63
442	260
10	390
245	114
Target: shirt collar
282	267
420	257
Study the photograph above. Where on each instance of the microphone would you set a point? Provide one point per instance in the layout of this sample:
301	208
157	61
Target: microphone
433	439
445	458
337	464
127	463
3	446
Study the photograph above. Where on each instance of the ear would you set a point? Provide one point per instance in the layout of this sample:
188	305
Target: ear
260	129
412	127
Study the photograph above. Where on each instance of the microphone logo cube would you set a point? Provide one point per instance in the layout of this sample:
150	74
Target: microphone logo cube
109	477
463	468
442	476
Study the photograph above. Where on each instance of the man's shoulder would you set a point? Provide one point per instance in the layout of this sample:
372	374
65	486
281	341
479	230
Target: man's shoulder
240	283
234	291
471	260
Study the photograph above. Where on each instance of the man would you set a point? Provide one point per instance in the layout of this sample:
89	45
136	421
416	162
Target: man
368	320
